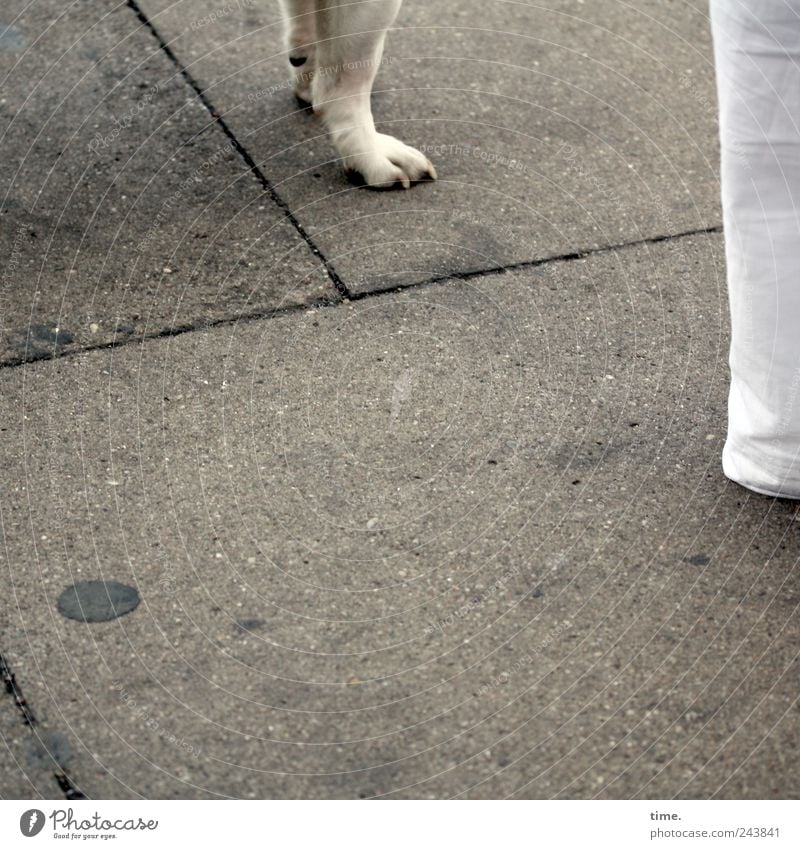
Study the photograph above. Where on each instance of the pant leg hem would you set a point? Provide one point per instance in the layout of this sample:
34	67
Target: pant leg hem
751	474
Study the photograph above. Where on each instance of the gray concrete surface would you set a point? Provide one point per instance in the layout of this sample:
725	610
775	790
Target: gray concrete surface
28	770
552	129
123	209
468	539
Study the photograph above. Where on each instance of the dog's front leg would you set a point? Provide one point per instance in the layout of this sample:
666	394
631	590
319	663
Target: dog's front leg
300	24
349	49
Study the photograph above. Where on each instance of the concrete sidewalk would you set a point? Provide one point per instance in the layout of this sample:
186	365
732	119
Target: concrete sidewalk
393	494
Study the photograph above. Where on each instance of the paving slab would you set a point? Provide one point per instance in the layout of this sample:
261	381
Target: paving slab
554	127
471	539
26	773
124	210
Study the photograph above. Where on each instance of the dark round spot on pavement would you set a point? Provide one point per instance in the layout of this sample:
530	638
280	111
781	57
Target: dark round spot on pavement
244	625
297	61
39	341
698	560
47	748
97	601
12	38
50	335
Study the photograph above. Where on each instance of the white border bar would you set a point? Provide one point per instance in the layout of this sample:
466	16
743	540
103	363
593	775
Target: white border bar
406	825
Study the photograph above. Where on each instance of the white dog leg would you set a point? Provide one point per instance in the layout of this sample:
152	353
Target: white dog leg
300	22
349	48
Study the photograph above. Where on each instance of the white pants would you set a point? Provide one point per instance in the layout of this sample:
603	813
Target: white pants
757	52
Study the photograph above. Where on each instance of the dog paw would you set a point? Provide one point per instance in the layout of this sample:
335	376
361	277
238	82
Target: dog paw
390	164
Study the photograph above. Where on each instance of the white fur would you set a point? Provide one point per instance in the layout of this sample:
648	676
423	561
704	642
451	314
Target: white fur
341	42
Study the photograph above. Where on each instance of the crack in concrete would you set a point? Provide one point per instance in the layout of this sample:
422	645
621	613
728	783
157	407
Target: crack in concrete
266	184
60	774
325	303
537	263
